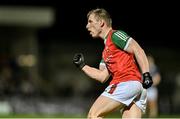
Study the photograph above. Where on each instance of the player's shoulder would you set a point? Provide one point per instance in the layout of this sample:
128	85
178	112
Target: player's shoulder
119	32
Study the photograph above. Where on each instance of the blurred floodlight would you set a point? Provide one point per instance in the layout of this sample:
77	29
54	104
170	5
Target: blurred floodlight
26	16
27	60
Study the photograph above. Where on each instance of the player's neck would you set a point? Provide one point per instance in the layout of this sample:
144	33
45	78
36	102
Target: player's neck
105	32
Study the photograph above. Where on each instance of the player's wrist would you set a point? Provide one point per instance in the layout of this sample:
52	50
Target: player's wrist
82	65
145	74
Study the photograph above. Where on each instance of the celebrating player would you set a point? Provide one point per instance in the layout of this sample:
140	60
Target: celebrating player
127	89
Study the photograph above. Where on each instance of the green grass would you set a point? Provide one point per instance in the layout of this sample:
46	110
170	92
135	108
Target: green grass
112	115
43	116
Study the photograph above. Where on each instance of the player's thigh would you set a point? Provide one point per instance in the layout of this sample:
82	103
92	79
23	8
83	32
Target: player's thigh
132	111
103	105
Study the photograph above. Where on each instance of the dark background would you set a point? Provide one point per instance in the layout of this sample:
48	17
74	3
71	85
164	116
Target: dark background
153	23
55	80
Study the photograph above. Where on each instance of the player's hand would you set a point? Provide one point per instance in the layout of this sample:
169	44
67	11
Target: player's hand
78	60
147	80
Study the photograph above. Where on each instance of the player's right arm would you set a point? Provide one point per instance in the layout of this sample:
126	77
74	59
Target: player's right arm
101	74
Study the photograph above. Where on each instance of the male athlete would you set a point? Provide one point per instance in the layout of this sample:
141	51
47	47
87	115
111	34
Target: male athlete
127	89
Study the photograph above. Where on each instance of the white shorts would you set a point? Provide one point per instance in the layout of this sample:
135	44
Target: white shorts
128	92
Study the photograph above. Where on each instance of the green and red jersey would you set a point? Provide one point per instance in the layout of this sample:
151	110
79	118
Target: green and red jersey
121	64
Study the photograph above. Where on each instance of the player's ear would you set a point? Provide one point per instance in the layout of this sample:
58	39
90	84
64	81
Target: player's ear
102	23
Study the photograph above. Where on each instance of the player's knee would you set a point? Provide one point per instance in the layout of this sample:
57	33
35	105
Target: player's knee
91	115
94	115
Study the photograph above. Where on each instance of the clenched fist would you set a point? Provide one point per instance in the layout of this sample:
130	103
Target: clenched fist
147	80
78	60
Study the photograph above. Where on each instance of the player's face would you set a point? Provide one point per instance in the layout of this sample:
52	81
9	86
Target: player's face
93	26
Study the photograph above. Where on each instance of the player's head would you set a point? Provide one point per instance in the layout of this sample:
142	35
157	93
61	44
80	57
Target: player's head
101	14
97	20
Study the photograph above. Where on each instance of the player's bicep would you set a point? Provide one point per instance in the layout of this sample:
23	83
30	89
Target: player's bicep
104	71
133	47
102	66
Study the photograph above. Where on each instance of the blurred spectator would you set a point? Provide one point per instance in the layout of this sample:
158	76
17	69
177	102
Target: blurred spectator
152	92
9	79
6	75
5	79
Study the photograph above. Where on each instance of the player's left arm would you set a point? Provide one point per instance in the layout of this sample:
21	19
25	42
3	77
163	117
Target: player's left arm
125	42
134	48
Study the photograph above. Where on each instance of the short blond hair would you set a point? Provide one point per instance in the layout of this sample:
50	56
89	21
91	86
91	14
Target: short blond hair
101	13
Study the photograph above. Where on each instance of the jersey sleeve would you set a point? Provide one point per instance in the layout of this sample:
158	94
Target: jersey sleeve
102	65
102	62
121	39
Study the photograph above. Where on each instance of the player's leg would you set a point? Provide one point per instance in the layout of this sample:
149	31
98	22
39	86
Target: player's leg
137	107
132	111
102	106
114	96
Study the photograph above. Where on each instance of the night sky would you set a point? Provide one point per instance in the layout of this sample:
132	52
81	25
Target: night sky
150	22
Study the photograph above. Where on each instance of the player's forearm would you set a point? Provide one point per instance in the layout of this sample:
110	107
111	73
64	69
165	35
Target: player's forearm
142	60
94	73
